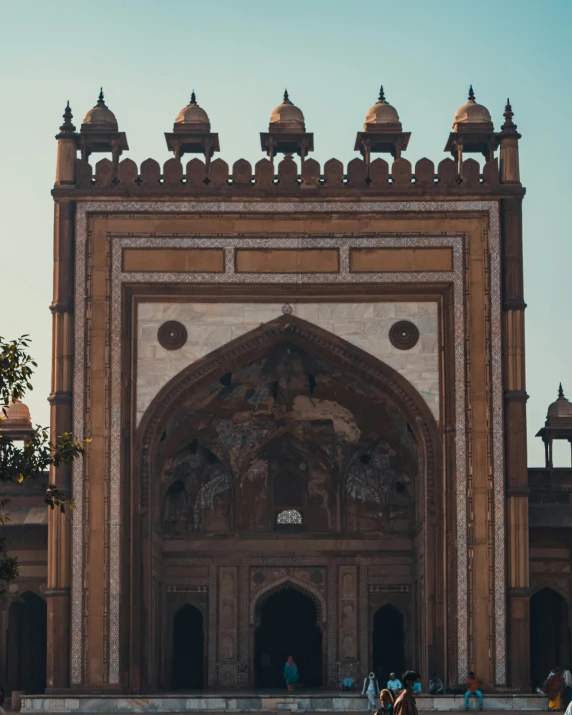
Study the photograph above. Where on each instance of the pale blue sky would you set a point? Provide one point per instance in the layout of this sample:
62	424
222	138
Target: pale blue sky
332	55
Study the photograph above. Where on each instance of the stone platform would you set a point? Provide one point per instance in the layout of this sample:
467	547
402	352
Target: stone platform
263	702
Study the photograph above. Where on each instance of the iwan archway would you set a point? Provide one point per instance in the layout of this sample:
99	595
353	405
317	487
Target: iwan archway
285	457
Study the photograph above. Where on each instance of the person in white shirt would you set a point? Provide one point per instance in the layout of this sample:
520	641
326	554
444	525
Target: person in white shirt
371	688
394	684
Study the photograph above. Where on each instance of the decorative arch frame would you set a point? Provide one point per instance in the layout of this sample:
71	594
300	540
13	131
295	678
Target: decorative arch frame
321	342
283	584
231	357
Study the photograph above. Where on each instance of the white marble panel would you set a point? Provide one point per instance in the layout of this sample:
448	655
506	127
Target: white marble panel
211	325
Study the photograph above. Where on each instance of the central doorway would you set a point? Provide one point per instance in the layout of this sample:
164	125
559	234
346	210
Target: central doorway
288	626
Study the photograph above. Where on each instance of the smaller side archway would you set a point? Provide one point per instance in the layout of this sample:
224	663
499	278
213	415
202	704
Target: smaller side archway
188	649
549	633
388	643
27	644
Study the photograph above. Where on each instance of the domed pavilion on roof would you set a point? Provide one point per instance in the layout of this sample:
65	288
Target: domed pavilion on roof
192	133
382	131
287	131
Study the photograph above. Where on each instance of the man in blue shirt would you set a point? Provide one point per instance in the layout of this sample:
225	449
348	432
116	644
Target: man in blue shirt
394	684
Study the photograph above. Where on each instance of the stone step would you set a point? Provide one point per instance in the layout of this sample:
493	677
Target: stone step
217	703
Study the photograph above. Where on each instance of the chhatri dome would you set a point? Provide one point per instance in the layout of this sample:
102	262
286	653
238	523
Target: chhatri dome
193	117
286	117
100	118
16	422
382	113
471	112
17	412
559	411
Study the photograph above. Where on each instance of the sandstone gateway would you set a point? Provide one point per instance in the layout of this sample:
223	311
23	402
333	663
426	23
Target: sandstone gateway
304	389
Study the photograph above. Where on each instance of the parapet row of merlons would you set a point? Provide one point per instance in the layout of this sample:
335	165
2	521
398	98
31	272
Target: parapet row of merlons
473	132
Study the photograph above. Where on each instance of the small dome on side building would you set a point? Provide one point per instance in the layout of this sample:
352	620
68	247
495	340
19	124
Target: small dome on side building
17	412
560	411
16	423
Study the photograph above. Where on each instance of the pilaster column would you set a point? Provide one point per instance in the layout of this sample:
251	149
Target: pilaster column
515	446
59	525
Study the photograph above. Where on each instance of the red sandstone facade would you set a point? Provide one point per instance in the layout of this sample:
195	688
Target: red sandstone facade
299	383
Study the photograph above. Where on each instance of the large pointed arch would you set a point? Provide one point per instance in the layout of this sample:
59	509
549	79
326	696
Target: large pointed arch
322	343
233	356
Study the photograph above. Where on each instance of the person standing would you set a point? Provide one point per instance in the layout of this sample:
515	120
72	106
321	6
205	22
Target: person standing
394	684
405	703
290	674
473	689
371	688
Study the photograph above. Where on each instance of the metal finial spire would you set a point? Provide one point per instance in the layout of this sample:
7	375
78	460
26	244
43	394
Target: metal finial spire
67	127
508	115
471	94
286	97
381	97
193	97
560	392
100	98
509	127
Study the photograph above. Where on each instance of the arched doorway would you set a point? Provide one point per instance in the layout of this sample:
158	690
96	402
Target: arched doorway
188	648
549	633
288	626
27	637
388	643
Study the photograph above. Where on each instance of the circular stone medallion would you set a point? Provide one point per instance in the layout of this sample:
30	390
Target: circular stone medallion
172	335
404	335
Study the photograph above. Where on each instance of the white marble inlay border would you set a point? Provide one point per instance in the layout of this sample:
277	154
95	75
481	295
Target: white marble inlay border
247	207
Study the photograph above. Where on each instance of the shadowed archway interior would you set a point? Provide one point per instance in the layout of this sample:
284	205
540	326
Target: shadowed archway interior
188	649
549	634
27	637
288	626
388	643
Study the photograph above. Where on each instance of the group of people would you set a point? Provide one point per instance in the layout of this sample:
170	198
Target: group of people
398	698
558	688
403	693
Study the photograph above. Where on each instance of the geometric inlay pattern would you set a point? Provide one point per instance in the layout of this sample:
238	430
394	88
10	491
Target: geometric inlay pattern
404	335
172	335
